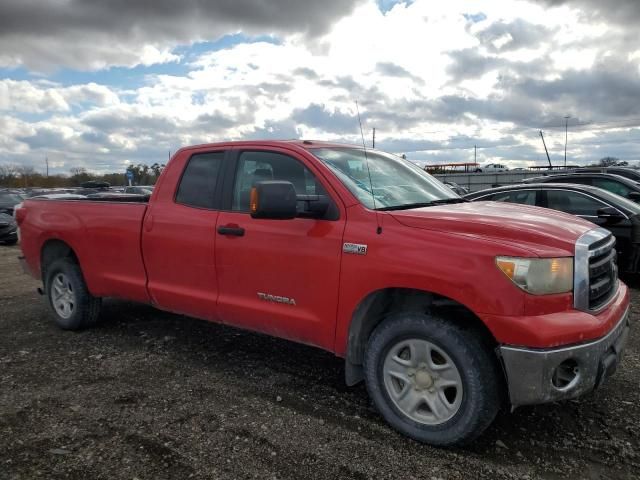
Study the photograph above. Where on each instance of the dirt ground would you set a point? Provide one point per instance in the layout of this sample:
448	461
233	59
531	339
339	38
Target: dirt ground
150	395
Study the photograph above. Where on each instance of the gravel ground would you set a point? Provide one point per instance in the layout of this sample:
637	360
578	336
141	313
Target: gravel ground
151	395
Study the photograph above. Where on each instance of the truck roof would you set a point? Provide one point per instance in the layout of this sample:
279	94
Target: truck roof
302	143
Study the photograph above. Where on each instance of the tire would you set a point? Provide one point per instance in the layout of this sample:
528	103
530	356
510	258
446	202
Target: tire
455	356
71	304
11	242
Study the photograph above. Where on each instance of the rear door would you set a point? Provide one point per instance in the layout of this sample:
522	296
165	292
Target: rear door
279	276
178	237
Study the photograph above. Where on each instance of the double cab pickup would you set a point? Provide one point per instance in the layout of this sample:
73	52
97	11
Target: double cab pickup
448	310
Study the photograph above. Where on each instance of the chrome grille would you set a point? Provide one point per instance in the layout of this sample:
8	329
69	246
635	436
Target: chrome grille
596	270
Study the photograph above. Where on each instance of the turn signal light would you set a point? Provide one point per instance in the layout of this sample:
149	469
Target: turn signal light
253	200
539	276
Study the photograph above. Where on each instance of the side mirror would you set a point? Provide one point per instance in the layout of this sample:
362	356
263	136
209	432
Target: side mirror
609	214
274	199
635	196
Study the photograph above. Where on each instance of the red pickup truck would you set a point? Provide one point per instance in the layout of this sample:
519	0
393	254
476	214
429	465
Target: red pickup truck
448	310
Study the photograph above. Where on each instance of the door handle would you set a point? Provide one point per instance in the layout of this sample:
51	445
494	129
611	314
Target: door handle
229	230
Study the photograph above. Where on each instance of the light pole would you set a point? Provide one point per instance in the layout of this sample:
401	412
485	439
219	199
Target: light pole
566	134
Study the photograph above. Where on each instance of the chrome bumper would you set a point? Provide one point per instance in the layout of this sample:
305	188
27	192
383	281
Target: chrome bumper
541	376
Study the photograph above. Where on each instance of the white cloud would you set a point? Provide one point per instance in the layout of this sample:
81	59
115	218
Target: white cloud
424	75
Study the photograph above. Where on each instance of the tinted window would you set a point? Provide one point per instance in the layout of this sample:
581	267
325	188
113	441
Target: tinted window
523	197
627	173
10	198
612	186
199	180
580	180
256	167
632	207
573	202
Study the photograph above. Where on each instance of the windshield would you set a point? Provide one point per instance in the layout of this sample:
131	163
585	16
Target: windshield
396	182
618	200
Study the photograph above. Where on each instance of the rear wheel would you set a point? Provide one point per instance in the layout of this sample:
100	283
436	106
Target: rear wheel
72	306
432	380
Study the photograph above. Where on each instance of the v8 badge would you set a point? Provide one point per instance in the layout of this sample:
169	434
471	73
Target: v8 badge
354	248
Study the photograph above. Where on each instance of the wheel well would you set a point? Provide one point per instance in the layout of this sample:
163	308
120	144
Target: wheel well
380	304
53	250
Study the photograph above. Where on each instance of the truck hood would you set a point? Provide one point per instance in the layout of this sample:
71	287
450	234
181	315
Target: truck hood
541	231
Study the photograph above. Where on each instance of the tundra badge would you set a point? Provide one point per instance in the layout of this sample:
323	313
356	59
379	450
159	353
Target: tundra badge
276	298
355	248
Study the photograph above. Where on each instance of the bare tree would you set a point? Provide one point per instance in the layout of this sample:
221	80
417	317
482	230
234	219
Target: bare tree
77	171
609	161
25	172
7	172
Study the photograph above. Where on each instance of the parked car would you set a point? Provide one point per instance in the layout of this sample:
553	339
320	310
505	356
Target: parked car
140	190
8	230
398	262
116	196
615	213
613	183
60	196
630	173
492	167
8	200
459	189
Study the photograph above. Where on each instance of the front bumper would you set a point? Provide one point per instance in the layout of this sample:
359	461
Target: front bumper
546	375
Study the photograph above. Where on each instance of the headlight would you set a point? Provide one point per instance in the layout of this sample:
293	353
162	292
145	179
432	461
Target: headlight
539	276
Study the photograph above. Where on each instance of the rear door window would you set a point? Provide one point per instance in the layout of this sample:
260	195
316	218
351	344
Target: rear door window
199	181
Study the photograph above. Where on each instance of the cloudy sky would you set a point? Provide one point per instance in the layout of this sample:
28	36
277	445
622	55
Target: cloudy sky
100	84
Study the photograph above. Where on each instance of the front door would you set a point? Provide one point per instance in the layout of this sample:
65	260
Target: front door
279	276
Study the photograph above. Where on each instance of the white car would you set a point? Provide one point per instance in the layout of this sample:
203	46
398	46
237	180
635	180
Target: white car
492	167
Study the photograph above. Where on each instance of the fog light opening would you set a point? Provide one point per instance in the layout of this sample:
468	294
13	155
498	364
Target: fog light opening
566	374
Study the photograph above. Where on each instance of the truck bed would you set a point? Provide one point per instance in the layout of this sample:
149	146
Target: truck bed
104	233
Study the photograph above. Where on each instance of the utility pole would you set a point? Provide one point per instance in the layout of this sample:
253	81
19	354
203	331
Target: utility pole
374	137
46	160
566	136
475	154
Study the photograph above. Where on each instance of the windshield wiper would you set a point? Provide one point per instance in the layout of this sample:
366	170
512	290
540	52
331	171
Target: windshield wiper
446	201
408	206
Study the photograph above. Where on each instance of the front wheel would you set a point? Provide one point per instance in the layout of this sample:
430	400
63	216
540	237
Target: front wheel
432	380
72	306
